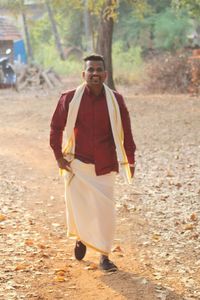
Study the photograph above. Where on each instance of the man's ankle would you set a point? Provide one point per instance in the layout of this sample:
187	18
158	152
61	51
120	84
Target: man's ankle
103	257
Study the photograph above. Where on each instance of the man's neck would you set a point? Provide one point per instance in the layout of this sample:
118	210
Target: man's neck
96	90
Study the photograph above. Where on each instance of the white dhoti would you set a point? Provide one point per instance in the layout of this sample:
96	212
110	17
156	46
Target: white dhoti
90	206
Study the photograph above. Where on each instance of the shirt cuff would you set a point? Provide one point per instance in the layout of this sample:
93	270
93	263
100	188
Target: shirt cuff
58	154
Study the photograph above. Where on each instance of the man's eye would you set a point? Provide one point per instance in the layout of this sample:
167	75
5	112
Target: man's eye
90	70
98	70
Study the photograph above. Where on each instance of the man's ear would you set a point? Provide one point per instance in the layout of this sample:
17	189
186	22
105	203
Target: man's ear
83	74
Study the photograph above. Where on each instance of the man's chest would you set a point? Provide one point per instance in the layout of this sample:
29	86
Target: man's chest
93	115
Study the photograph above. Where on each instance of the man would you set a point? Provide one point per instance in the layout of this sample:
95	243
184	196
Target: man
99	143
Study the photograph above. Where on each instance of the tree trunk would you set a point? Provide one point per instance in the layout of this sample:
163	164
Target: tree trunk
104	41
87	27
27	35
55	31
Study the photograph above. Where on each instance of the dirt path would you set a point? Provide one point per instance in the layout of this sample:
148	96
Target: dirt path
158	216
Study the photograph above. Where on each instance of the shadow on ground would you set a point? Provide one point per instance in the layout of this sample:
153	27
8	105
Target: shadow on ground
133	287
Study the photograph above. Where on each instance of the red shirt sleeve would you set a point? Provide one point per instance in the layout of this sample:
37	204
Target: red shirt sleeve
58	123
129	143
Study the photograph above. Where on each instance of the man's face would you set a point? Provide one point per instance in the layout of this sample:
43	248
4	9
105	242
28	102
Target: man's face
94	73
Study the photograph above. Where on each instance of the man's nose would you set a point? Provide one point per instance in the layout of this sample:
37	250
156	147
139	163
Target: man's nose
95	72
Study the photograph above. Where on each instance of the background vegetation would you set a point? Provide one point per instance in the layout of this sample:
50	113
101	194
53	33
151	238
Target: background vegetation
142	29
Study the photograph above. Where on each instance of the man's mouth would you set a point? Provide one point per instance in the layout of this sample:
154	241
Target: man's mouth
95	78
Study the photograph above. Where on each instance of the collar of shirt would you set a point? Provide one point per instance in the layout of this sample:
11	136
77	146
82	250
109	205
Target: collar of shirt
89	92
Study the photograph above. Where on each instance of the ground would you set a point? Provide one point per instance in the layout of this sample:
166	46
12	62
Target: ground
157	238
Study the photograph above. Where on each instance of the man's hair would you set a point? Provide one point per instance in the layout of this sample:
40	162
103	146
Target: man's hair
94	57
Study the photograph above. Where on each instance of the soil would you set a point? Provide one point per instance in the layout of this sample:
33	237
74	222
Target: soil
157	238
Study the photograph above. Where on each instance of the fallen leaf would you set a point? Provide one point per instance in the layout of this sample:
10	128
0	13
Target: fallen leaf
91	266
117	249
193	217
41	246
2	217
157	275
178	185
45	255
195	236
189	227
59	279
60	272
156	237
29	243
22	266
170	173
31	222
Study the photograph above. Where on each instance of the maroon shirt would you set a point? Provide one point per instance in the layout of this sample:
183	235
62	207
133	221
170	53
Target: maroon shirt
93	133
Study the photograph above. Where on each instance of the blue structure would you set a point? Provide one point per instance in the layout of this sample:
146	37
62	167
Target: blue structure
11	38
19	52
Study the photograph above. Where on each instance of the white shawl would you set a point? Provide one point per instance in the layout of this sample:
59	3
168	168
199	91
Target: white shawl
116	125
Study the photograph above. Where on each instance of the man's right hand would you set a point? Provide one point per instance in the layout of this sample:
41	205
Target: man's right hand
64	164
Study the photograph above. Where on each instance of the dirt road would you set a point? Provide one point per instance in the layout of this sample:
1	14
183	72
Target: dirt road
158	223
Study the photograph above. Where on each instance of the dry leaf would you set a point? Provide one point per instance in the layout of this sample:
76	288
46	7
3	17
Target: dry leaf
41	246
193	217
2	217
29	243
22	266
117	249
170	173
92	266
156	237
60	272
195	236
157	275
189	227
45	255
31	222
178	185
59	279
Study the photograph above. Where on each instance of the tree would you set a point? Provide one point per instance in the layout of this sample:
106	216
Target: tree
54	30
104	41
26	31
89	45
103	14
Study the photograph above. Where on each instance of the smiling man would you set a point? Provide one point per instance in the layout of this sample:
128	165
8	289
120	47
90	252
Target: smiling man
99	143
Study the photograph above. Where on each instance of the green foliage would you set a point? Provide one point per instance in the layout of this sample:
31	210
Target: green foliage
192	6
138	32
127	65
15	5
40	32
159	6
171	30
47	56
138	28
140	25
71	28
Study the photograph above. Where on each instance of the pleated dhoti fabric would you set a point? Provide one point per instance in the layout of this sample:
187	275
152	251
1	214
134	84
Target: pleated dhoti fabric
90	206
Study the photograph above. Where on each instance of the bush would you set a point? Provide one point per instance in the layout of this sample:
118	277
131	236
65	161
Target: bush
47	56
168	73
127	65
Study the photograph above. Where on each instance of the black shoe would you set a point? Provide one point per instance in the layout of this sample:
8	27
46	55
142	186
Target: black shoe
107	265
79	250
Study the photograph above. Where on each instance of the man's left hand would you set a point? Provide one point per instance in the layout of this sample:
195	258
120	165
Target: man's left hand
132	169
